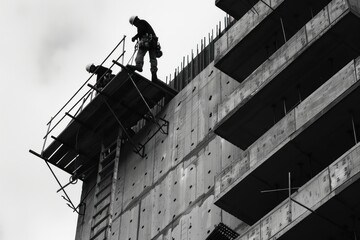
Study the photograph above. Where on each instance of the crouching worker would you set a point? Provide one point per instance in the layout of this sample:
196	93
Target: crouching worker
148	42
103	75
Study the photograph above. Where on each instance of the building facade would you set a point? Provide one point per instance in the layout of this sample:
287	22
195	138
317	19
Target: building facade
264	139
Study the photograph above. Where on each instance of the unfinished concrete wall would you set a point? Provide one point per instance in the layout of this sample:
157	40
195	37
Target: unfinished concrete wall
296	121
317	192
284	56
170	192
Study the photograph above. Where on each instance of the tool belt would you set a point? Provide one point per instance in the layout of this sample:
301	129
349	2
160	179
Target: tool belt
148	41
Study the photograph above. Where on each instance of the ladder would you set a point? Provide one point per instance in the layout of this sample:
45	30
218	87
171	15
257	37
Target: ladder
105	191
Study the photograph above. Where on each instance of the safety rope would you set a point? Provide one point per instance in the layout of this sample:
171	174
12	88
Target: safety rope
136	47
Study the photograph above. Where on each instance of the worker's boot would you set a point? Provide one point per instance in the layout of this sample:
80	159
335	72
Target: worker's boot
153	76
134	68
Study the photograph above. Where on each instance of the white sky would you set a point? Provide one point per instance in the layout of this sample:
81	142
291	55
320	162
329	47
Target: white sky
44	48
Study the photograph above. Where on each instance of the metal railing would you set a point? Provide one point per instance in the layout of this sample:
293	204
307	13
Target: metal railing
81	98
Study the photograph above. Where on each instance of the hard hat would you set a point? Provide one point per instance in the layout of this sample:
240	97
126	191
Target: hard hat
90	67
132	19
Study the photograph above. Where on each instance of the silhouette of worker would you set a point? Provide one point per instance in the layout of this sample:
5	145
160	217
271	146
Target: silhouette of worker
103	74
148	42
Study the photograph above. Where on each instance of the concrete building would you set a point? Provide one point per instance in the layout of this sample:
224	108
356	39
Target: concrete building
259	132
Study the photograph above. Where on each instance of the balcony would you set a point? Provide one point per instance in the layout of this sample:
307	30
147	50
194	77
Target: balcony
326	207
320	49
257	35
307	139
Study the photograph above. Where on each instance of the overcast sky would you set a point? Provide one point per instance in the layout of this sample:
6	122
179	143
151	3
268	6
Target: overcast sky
44	48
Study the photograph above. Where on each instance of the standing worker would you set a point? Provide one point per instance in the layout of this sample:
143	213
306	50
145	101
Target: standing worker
147	42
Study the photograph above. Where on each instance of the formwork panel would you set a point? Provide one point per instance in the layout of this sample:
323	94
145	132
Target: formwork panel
129	224
188	117
145	224
194	224
190	189
317	24
231	221
203	113
177	188
325	95
119	190
148	161
212	168
179	132
355	6
195	119
213	88
336	8
176	231
327	203
229	153
115	229
84	221
272	139
230	174
209	216
200	174
162	158
357	66
275	221
160	209
133	178
227	85
253	234
311	194
344	168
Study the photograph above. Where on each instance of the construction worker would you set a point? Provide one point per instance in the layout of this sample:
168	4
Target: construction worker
148	42
103	74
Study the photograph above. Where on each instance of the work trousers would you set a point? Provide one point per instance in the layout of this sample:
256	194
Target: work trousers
139	60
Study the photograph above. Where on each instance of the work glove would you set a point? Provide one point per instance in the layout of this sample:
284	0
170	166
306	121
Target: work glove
133	39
